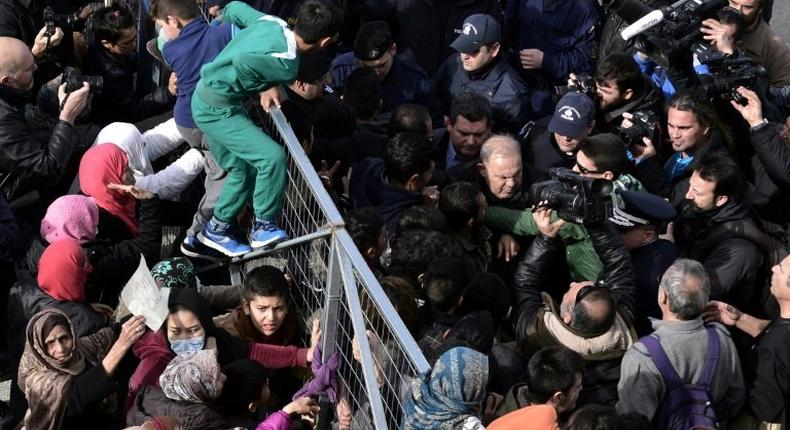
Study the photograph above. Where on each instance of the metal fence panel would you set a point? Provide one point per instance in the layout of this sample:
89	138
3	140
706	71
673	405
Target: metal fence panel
333	283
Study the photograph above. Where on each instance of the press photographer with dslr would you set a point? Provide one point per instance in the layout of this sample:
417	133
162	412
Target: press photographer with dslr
34	149
693	128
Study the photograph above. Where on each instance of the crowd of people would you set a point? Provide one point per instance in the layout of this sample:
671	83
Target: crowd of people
579	231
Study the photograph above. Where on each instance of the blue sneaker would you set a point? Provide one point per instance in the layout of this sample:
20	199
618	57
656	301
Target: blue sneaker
266	234
194	249
218	236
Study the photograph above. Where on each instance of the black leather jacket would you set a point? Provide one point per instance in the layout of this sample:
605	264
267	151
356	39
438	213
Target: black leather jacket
34	149
617	275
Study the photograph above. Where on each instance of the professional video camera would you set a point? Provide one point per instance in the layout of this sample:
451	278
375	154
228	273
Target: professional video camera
582	84
73	79
574	197
52	20
727	73
644	123
662	33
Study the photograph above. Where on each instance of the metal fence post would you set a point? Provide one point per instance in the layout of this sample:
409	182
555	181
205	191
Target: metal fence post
369	365
334	293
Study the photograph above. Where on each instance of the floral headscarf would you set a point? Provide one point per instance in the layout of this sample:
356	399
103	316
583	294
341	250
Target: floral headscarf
192	377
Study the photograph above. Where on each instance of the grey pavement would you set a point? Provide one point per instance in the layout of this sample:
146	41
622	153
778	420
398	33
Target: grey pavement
780	20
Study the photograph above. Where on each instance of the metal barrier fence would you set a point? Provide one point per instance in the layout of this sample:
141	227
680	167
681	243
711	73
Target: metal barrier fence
332	281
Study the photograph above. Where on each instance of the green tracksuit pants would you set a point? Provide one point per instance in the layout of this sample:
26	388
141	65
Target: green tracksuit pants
255	164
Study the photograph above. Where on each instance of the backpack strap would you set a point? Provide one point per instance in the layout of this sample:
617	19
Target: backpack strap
661	361
714	349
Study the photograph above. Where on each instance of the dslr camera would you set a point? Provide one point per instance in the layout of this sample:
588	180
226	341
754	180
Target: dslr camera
581	84
73	79
575	198
52	20
727	73
644	123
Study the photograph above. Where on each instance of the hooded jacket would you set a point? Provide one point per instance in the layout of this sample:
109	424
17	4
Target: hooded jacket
732	261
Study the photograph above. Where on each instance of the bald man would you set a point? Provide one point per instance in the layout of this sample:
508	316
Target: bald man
28	159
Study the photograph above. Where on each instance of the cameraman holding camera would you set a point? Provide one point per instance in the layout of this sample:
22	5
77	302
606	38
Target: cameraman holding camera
621	87
29	159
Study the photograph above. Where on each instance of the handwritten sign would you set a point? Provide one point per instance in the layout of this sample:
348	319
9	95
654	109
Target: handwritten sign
143	297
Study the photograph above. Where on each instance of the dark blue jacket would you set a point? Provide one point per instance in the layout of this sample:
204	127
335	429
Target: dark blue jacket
564	30
425	28
650	262
369	187
406	82
197	44
499	83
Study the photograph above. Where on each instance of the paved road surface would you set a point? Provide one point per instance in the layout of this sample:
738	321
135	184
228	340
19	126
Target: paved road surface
780	20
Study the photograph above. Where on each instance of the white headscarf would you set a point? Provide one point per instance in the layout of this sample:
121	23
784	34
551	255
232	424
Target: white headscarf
128	138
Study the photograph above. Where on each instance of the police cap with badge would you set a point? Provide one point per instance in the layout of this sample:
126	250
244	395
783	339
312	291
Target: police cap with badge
373	40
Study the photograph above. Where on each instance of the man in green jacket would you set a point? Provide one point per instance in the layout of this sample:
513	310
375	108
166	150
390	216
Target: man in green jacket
602	157
264	54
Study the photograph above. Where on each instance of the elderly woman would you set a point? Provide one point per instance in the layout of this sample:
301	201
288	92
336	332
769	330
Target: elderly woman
449	396
65	377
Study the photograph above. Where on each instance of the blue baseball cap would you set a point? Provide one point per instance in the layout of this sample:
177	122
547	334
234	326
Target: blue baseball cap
478	30
635	208
573	114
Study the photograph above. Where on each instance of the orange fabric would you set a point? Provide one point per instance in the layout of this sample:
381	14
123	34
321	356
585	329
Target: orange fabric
536	417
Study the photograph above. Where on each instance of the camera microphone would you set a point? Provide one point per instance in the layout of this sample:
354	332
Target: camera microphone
644	23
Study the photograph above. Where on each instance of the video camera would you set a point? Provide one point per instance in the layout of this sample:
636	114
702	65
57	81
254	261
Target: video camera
727	73
52	20
662	33
644	123
73	79
575	198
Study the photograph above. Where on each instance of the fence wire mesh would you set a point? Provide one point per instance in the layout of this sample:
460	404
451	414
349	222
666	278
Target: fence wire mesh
325	269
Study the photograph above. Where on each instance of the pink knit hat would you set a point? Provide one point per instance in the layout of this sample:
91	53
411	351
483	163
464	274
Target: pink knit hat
71	216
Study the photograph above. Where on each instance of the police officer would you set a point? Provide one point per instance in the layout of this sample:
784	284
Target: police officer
402	81
639	216
553	39
480	67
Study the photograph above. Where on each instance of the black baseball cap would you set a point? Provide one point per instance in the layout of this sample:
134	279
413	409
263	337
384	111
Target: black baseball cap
373	40
478	30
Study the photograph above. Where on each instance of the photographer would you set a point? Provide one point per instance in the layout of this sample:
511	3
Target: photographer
589	311
620	88
29	158
693	130
771	162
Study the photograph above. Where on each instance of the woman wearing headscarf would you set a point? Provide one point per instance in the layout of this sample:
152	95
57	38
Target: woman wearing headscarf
142	149
77	217
65	377
189	327
450	395
188	387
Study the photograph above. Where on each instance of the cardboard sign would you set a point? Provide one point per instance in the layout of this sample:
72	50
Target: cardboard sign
143	297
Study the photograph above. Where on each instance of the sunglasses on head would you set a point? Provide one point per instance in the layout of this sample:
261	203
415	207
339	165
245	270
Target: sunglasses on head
586	290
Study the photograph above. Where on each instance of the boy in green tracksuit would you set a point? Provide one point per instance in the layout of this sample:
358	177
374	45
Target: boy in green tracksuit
264	54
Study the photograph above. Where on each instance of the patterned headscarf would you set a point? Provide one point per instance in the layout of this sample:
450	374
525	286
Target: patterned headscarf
446	395
175	272
192	377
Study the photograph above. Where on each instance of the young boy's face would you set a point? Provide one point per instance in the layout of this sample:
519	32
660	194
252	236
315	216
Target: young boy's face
170	28
267	313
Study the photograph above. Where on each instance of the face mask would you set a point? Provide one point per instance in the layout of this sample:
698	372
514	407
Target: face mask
187	345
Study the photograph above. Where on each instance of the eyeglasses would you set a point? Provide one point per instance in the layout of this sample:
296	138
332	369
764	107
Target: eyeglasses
585	171
586	290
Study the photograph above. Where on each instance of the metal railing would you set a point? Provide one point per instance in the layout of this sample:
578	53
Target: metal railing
332	281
